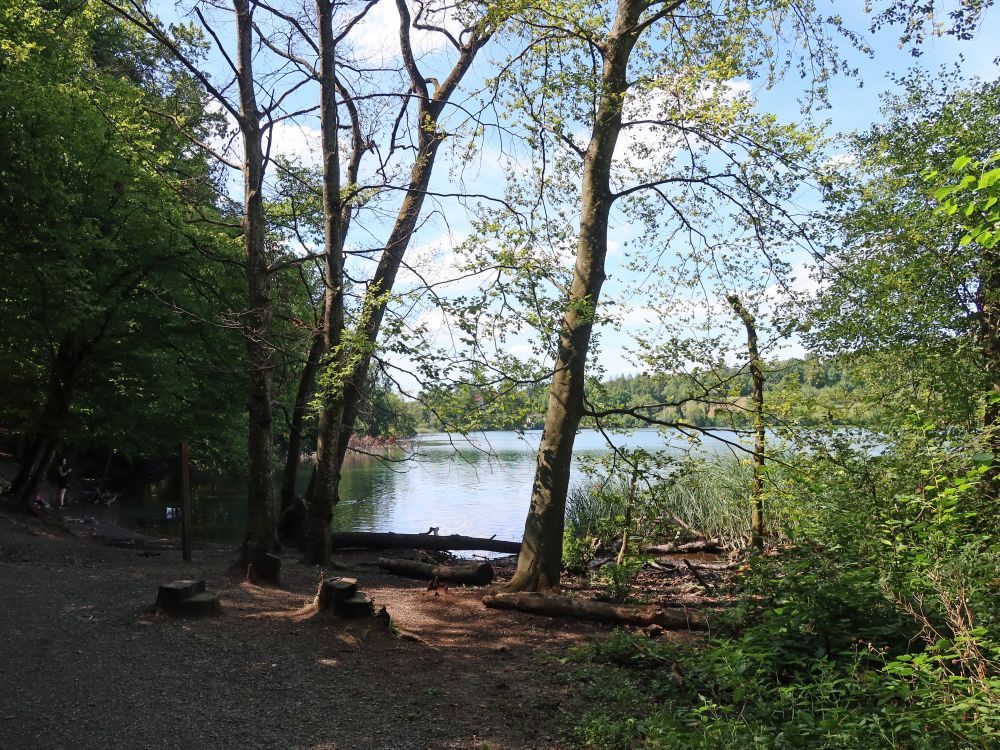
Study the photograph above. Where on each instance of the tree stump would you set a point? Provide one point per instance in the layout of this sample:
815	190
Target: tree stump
357	605
258	565
175	591
187	598
333	591
340	597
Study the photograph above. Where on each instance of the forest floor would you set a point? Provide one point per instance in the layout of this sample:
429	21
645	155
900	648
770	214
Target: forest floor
83	663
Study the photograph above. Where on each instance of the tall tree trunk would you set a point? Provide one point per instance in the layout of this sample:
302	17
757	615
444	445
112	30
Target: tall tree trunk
329	429
58	400
37	461
344	409
757	399
260	445
307	383
989	335
540	559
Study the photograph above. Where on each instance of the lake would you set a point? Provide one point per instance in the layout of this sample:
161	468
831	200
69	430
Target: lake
478	485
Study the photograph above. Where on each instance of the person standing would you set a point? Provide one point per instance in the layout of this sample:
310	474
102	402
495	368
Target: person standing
62	480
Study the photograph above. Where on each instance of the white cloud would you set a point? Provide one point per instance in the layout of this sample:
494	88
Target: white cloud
644	145
377	35
296	142
839	162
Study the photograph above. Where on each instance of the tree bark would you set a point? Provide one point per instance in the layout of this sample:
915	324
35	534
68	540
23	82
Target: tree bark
475	573
260	446
583	609
540	561
330	427
344	408
37	462
757	399
373	540
307	384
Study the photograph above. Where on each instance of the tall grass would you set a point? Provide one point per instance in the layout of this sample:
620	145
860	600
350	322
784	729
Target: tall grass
710	497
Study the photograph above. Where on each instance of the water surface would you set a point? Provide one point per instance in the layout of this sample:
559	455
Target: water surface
478	486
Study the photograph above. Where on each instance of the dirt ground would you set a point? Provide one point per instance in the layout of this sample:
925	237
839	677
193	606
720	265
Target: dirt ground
83	664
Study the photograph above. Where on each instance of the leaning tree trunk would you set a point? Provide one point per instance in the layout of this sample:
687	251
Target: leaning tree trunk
344	406
540	560
757	375
38	460
257	328
293	458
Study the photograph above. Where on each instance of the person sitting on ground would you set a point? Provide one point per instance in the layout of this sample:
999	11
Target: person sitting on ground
62	480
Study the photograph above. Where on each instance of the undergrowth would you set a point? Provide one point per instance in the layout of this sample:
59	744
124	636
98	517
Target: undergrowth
876	627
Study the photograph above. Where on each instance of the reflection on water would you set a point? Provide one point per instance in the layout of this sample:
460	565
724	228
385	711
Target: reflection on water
478	486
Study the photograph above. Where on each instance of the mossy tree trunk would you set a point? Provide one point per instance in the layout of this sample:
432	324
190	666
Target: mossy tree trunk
540	560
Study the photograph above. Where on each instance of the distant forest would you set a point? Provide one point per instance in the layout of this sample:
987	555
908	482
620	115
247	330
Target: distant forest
797	391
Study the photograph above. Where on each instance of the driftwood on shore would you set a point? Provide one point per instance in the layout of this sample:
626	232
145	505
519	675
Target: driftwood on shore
668	563
477	573
373	540
586	609
702	545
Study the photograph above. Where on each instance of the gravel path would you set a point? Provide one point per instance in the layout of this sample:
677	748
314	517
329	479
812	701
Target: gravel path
83	664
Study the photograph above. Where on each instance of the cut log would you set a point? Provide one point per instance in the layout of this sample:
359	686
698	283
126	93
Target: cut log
476	573
202	604
585	609
702	545
356	605
373	540
670	563
175	591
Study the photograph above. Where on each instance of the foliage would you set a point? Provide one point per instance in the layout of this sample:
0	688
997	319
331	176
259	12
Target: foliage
106	262
899	286
383	413
973	199
619	578
877	629
579	549
807	391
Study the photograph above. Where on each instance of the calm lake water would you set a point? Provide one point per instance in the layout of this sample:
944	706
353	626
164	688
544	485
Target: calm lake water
477	486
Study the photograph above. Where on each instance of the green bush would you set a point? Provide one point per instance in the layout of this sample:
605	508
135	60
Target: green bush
877	629
578	551
619	577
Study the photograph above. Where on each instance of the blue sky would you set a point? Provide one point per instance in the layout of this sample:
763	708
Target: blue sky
854	104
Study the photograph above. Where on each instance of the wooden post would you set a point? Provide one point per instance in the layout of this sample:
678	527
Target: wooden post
185	504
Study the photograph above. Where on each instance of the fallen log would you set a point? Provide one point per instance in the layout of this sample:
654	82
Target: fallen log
702	545
476	573
586	609
668	563
375	540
